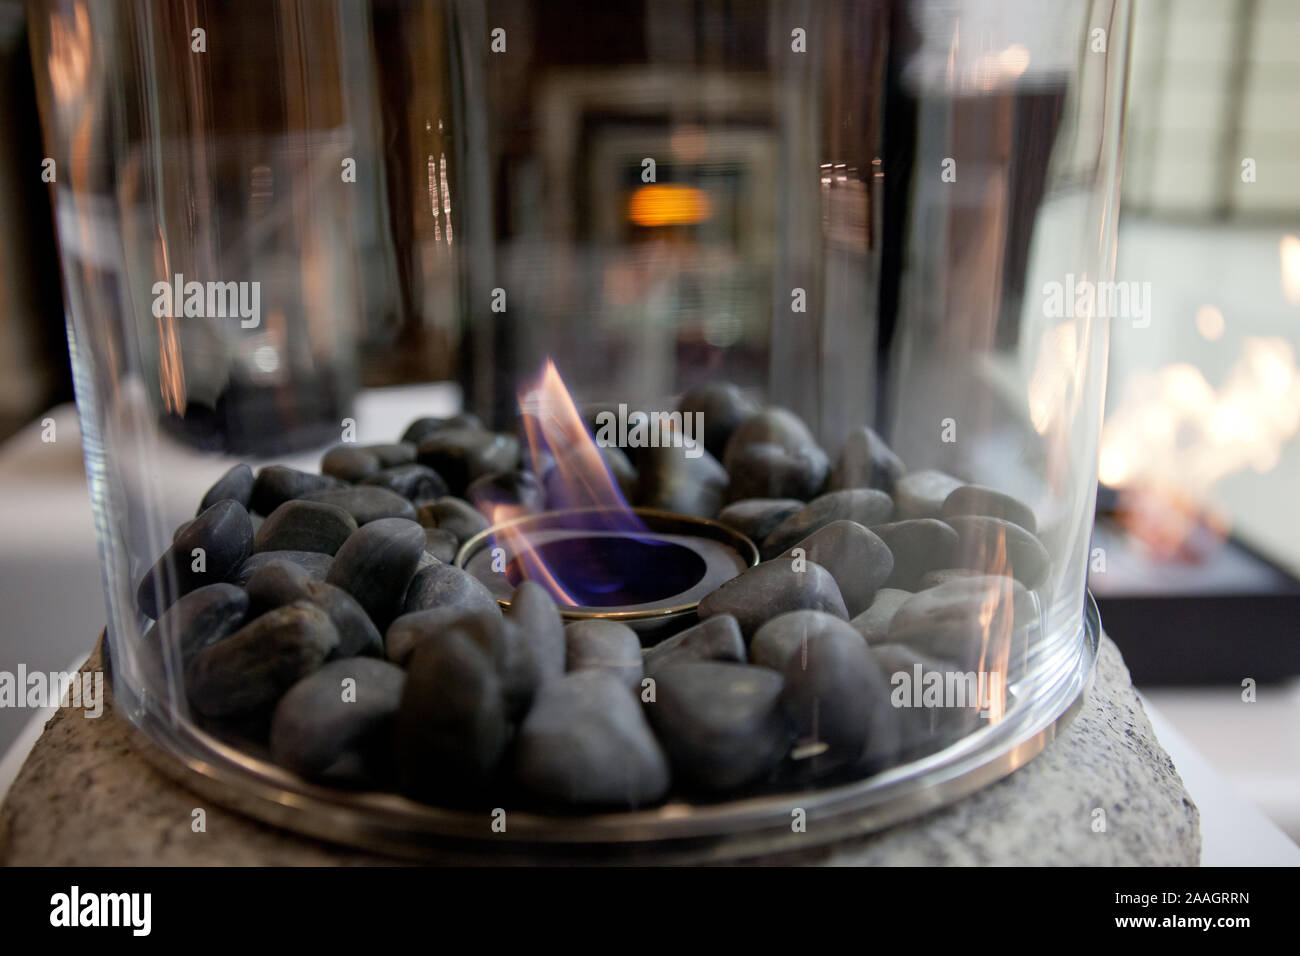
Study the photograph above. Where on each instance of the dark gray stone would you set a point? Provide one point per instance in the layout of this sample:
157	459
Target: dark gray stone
235	485
756	518
412	481
515	488
873	623
325	729
926	721
451	514
197	620
919	545
716	638
604	645
995	546
723	407
769	470
316	565
481	624
866	461
973	622
921	494
776	426
669	480
276	484
423	428
460	455
532	645
224	537
586	743
392	454
838	702
366	503
376	564
774	587
721	725
787	635
866	506
451	728
978	500
276	584
441	545
858	560
932	579
304	526
349	462
445	585
249	670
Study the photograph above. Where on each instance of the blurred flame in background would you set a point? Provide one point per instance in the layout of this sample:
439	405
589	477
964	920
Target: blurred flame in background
668	204
1289	250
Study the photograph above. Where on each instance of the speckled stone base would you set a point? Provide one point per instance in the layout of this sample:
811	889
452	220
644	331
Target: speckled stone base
83	798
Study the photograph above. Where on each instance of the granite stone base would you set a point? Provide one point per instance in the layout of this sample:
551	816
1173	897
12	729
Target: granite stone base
1103	794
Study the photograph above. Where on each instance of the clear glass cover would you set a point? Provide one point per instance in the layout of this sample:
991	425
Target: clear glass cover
577	407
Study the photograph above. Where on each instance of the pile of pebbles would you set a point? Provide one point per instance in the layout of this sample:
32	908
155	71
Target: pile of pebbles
318	619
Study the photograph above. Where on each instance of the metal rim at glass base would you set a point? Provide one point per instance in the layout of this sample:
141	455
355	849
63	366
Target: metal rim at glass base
677	832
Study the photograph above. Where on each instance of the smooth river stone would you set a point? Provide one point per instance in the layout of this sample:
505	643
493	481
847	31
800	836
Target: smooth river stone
316	565
766	590
451	727
376	564
670	481
858	560
586	743
713	639
995	546
775	426
604	645
866	461
441	545
422	428
481	624
756	518
919	545
249	670
873	623
304	526
924	729
787	635
276	484
445	585
721	725
962	619
932	579
460	455
323	731
235	485
366	503
515	488
348	462
451	514
838	702
921	494
224	533
723	407
198	620
532	646
866	506
768	470
411	480
978	500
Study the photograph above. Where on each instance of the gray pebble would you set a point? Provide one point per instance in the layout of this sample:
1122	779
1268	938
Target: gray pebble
441	545
324	729
995	546
670	481
423	428
276	484
451	728
866	462
756	518
209	551
873	623
723	407
250	669
716	638
316	565
480	624
304	526
768	470
532	642
919	545
931	726
517	488
197	620
858	560
921	494
966	621
721	725
932	579
978	500
366	503
235	485
866	506
411	480
460	455
586	743
349	462
776	426
604	645
771	588
376	564
787	635
451	514
445	585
